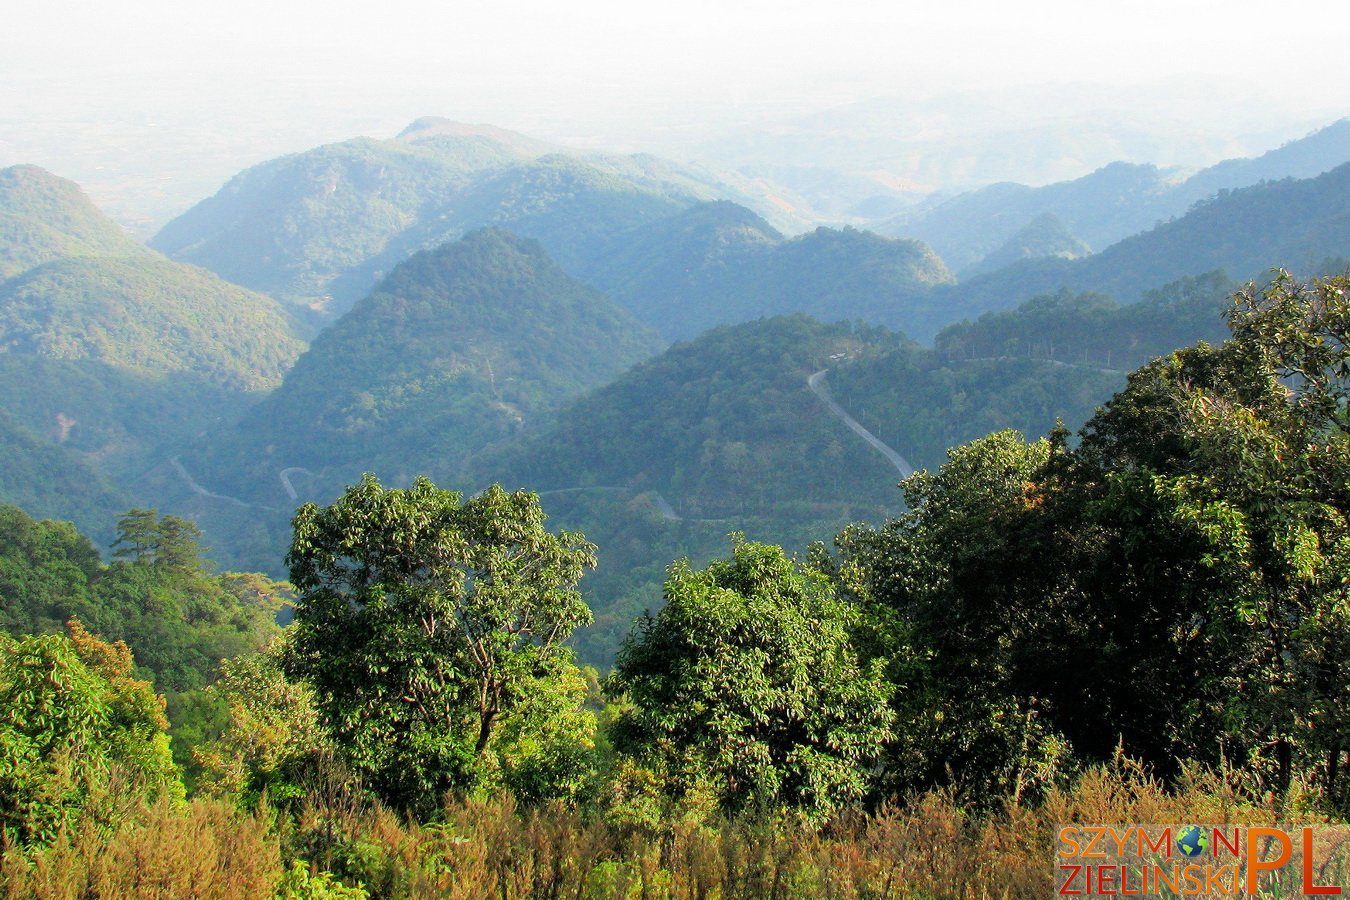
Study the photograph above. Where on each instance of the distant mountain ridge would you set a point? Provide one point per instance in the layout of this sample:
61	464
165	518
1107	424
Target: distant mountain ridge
718	263
1301	225
1106	206
319	228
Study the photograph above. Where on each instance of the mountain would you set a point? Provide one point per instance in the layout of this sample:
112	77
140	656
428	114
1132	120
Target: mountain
1307	157
1044	237
45	218
715	435
1298	224
719	263
112	351
457	347
1116	200
318	229
1110	204
52	482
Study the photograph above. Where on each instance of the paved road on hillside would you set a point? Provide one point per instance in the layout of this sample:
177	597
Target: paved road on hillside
901	464
203	492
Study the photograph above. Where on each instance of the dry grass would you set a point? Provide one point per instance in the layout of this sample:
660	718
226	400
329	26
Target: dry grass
928	848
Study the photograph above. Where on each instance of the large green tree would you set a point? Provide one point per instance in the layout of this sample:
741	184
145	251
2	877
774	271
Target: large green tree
423	621
1176	585
747	684
1241	455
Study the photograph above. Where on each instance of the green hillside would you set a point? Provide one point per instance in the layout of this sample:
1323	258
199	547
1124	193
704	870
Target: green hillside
52	482
716	435
44	218
458	347
1093	329
1298	224
718	263
111	355
147	314
320	228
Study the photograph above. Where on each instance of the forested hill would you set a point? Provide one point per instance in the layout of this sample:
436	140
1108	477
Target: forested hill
78	288
44	218
148	314
111	352
53	482
715	435
290	225
1105	206
320	228
1093	330
719	263
730	432
457	347
1299	224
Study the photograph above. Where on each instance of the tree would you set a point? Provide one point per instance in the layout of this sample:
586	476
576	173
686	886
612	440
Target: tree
1243	454
171	542
273	739
1186	596
423	621
965	598
71	715
746	683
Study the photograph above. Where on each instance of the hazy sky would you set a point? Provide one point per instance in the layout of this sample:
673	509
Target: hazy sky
270	75
531	59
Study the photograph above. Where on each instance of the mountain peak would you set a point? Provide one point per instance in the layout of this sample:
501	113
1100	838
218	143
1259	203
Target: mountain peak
44	217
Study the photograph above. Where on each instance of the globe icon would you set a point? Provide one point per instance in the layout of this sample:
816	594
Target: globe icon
1192	841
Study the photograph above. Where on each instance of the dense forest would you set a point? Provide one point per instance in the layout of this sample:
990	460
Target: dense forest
901	713
461	515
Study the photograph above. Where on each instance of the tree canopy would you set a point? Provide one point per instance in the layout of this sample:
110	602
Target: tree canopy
423	622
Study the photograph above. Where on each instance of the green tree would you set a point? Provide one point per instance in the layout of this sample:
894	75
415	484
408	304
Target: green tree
964	598
273	739
746	683
70	716
424	621
1241	453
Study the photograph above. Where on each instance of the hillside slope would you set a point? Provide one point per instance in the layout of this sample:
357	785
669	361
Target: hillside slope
456	348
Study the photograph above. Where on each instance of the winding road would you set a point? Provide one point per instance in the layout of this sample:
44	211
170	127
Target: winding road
203	492
901	464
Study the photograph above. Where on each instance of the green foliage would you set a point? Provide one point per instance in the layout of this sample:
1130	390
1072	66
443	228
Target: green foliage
746	684
70	713
44	218
1252	474
1188	594
181	620
425	624
299	884
965	624
453	351
272	742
